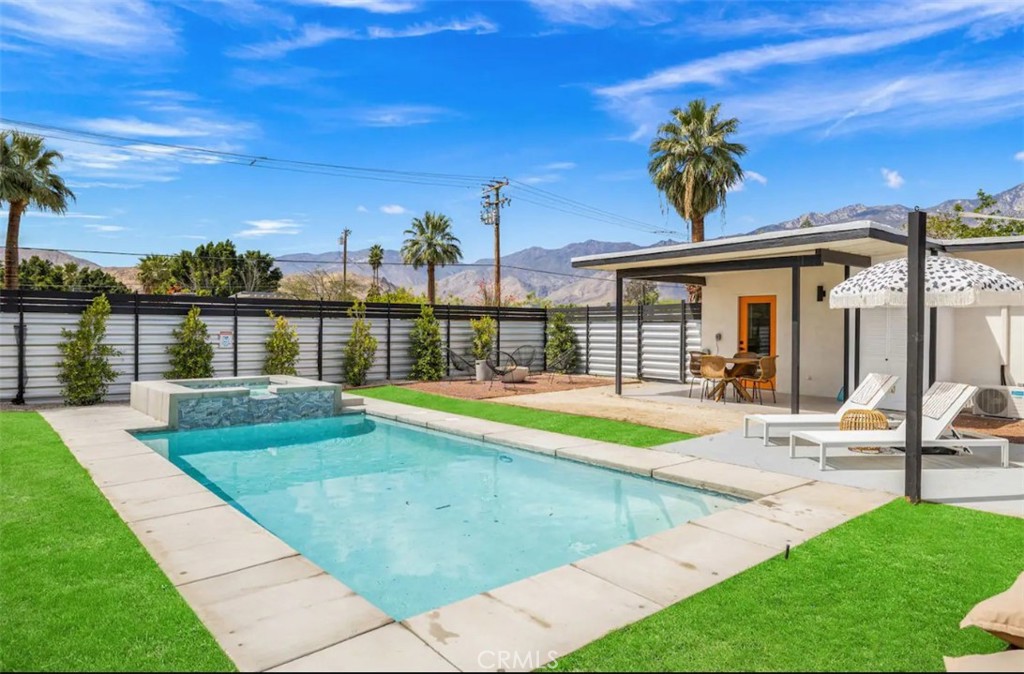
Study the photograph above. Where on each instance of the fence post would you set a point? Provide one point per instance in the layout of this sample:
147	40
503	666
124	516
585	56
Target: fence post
586	364
682	341
320	342
497	348
448	340
544	349
136	335
234	342
387	343
639	340
19	335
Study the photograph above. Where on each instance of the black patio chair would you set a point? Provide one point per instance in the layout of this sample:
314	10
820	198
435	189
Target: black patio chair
460	366
501	366
561	362
525	356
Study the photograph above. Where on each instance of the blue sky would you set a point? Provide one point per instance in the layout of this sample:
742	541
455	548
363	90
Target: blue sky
908	102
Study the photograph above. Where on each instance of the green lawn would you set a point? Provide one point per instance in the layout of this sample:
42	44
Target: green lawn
77	590
885	591
593	428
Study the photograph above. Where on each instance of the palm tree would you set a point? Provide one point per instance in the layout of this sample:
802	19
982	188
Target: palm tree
27	179
376	259
693	162
431	243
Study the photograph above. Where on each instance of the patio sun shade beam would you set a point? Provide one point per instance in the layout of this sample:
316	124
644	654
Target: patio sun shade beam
915	287
619	280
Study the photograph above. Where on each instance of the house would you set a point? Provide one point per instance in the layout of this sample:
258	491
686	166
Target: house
768	293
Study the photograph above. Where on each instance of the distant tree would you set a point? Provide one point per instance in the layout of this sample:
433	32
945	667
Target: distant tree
486	296
806	223
952	225
425	347
218	269
27	179
282	347
255	272
84	370
376	259
643	293
155	274
693	162
561	339
314	284
39	274
399	295
191	352
431	244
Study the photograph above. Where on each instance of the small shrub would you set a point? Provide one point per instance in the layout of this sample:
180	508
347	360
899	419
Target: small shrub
428	360
484	330
361	348
191	354
84	370
561	338
282	347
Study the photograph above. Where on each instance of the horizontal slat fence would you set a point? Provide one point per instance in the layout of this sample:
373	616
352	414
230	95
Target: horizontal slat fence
140	327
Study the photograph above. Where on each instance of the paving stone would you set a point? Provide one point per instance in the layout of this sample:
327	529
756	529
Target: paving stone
133	468
524	625
754	528
392	648
111	447
817	507
273	613
469	427
199	544
729	478
619	457
161	497
533	440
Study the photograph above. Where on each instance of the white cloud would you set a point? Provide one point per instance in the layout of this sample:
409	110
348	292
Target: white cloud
755	176
362	209
541	179
893	179
106	228
398	115
1019	156
314	35
393	209
559	166
599	13
259	228
93	27
374	6
193	237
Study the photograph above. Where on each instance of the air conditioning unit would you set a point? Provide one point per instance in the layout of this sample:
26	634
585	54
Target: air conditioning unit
1000	401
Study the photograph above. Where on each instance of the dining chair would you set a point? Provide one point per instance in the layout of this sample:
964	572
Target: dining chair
742	371
714	373
765	375
694	368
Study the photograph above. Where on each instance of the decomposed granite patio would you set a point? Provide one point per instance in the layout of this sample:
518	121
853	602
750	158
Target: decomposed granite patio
272	609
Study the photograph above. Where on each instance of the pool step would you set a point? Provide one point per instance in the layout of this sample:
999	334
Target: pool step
353	409
351	401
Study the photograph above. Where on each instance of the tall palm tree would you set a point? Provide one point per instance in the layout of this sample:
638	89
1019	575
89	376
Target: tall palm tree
693	162
27	179
431	243
376	259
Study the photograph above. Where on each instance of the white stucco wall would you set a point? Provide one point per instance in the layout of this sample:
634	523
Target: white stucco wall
821	328
976	331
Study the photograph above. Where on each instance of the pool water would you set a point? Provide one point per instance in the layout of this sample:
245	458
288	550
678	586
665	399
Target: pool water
413	519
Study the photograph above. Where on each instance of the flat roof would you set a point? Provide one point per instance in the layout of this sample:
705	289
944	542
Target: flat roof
862	237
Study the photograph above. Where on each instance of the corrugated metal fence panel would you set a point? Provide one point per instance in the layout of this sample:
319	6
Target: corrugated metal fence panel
660	347
521	333
401	359
602	348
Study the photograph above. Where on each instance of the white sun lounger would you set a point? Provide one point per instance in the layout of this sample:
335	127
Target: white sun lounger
941	404
866	396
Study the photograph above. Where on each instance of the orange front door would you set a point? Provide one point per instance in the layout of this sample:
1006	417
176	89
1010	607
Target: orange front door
757	332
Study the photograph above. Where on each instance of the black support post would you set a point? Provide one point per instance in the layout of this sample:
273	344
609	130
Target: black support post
234	340
794	400
846	344
586	336
19	336
856	347
497	339
320	342
618	333
136	335
448	339
916	226
387	345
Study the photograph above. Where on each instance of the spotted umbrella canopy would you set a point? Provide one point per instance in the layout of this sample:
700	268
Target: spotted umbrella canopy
948	282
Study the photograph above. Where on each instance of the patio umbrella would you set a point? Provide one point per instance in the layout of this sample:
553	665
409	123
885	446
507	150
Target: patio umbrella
948	282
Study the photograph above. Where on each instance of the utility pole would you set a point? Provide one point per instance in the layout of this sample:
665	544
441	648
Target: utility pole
343	240
492	201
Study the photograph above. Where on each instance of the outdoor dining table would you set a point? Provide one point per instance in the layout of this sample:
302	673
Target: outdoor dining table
718	392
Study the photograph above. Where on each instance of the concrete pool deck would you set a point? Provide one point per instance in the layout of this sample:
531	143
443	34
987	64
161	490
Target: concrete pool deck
271	609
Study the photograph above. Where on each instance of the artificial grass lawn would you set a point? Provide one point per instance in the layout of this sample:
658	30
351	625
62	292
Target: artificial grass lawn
592	428
77	589
885	591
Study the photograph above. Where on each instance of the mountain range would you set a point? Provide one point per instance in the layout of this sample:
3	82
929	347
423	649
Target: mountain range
548	272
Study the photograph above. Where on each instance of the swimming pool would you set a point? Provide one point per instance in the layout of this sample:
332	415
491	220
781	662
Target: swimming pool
413	519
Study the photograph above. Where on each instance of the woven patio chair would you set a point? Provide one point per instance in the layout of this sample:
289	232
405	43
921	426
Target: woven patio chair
763	378
525	355
713	372
461	366
863	420
694	368
501	365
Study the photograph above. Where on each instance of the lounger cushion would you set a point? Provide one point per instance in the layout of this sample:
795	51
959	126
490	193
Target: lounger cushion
1004	661
1001	616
